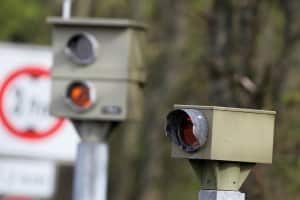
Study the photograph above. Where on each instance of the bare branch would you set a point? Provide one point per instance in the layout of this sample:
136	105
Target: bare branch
246	83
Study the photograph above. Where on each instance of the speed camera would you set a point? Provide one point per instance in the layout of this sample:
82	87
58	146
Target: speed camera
221	143
97	68
219	133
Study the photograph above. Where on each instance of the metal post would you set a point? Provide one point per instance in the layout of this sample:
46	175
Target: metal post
92	160
91	172
220	195
66	9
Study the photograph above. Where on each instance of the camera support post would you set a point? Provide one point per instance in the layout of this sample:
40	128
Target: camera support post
92	159
220	195
221	180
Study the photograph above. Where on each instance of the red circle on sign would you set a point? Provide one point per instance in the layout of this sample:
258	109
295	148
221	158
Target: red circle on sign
16	198
31	135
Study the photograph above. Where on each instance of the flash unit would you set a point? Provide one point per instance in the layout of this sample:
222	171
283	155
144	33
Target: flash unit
81	48
187	128
80	96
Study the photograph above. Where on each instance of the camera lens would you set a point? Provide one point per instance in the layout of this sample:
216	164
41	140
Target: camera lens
187	128
81	49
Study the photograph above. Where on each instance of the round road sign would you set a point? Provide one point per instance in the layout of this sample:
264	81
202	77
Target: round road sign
24	105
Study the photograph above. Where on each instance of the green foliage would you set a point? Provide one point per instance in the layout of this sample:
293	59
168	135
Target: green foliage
178	74
23	21
288	166
112	8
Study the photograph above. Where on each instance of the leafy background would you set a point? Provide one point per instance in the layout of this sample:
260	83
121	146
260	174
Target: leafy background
212	52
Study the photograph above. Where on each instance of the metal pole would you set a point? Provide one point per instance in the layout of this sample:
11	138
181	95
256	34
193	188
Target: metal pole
91	171
220	195
92	160
66	9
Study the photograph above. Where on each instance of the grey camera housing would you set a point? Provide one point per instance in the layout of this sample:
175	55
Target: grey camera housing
236	140
234	135
116	70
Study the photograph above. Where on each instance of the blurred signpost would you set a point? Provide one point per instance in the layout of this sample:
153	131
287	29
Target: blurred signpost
31	141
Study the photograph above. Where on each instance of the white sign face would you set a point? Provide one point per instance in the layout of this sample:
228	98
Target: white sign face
28	178
23	101
26	127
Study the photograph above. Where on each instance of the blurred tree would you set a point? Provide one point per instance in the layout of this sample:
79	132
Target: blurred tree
170	34
83	8
244	73
239	75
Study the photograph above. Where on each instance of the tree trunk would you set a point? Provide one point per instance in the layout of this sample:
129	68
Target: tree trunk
171	17
235	79
83	8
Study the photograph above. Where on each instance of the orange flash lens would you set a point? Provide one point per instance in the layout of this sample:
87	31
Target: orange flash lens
79	95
